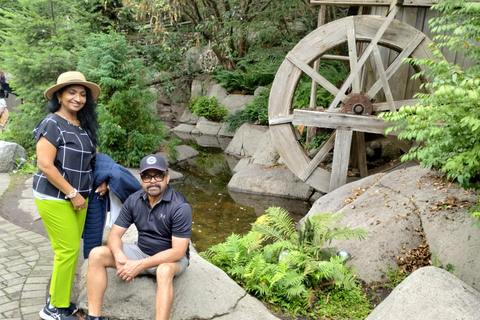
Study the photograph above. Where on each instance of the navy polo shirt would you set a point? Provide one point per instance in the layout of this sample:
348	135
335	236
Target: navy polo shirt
170	216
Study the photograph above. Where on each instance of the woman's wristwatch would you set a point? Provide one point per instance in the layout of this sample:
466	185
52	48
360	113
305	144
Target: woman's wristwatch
72	194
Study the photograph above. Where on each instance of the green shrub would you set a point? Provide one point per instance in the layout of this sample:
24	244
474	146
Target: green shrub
255	111
208	108
290	269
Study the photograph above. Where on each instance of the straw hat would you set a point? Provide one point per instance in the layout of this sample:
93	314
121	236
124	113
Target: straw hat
72	77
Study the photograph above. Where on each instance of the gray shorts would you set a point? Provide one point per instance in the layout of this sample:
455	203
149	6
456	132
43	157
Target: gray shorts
132	251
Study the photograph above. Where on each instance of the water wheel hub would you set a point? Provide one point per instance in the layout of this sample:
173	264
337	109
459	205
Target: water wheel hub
358	104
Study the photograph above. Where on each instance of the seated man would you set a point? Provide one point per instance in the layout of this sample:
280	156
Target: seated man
163	218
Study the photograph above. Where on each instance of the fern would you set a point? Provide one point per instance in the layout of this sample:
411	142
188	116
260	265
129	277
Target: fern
253	260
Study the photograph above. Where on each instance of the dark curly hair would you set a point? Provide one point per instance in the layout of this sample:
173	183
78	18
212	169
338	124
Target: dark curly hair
86	116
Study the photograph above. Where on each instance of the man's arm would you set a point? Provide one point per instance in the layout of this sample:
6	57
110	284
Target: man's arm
131	268
177	252
114	243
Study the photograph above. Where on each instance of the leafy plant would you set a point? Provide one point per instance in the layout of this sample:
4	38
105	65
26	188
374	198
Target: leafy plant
286	267
209	108
447	121
171	148
26	166
255	111
317	141
395	277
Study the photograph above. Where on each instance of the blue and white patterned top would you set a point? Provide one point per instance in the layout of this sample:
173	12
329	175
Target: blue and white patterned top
74	156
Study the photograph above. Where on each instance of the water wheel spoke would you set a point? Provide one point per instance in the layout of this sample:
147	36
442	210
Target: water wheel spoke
324	150
352	56
312	74
383	78
339	97
281	120
397	63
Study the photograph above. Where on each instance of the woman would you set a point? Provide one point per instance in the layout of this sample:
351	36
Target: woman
66	146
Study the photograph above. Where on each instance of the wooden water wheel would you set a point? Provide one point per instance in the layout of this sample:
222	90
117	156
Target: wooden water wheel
352	113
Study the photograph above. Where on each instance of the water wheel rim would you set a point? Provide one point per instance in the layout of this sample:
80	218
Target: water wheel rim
399	36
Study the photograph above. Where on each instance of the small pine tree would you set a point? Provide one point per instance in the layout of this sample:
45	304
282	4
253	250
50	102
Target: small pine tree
129	128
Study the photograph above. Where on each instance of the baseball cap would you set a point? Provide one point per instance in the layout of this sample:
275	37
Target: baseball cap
153	161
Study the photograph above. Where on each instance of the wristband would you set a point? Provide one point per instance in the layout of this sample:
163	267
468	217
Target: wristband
72	194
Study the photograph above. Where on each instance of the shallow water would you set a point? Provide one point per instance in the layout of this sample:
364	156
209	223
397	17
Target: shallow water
217	213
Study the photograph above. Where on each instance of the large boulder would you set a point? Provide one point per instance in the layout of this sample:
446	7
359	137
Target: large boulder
407	211
430	293
246	140
274	181
202	292
9	153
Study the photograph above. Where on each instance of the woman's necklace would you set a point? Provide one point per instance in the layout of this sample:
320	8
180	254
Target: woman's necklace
75	122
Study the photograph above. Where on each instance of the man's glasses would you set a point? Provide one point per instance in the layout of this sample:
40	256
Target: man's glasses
157	176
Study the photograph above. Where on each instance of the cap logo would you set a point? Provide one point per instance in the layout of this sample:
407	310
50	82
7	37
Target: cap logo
151	160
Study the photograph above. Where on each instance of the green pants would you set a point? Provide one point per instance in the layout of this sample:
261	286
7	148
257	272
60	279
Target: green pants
64	227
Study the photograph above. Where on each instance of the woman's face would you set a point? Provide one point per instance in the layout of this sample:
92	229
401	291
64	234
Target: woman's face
73	98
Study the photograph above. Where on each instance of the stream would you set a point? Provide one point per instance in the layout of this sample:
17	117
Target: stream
217	212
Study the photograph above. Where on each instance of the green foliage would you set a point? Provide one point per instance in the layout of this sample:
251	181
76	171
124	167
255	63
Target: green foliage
317	140
208	108
255	111
447	121
129	129
38	41
172	148
395	277
28	167
286	267
250	77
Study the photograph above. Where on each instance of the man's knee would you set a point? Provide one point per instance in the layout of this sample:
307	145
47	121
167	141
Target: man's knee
100	254
166	271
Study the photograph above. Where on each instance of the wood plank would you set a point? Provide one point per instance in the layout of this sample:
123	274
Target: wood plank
386	22
397	63
312	73
406	3
341	158
383	78
343	121
324	150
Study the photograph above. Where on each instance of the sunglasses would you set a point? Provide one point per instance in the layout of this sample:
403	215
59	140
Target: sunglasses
159	177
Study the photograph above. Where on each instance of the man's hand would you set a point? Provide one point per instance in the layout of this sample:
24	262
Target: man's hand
128	269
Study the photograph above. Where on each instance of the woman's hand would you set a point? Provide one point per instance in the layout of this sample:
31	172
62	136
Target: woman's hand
79	202
102	189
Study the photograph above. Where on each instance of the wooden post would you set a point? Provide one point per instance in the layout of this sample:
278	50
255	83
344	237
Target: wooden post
312	131
341	157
